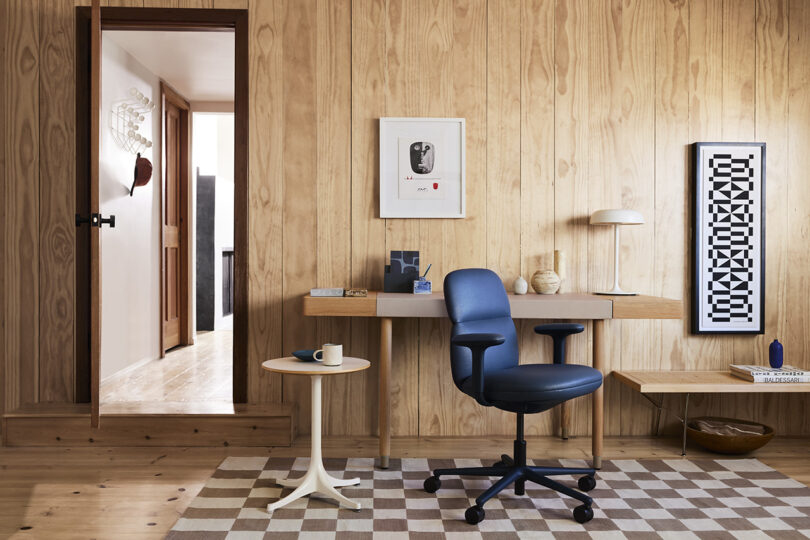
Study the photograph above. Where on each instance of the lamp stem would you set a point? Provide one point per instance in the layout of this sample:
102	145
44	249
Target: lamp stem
616	244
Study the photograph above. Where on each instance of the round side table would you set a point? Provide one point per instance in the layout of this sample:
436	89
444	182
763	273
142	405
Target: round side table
316	478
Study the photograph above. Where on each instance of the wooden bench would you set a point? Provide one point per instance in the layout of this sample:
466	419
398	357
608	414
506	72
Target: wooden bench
695	382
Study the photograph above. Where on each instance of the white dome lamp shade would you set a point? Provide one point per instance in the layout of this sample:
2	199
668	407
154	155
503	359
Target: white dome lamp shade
616	217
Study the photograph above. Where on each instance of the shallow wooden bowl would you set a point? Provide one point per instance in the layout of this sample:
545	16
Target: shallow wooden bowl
728	444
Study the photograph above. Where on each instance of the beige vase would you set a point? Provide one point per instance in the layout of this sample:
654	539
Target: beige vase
545	282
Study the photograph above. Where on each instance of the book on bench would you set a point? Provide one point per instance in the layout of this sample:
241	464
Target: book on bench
784	374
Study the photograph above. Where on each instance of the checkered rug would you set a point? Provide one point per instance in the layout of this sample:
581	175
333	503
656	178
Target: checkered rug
642	499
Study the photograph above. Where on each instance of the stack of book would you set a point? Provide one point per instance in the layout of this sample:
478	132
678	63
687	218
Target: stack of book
784	374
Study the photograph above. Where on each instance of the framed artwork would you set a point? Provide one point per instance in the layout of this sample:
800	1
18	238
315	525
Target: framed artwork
422	168
728	274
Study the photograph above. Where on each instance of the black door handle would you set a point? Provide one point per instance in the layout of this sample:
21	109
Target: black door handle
95	220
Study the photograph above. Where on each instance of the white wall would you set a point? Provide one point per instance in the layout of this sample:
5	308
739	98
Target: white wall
130	253
212	151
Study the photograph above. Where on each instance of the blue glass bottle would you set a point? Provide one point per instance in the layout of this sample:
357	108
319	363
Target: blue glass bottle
775	354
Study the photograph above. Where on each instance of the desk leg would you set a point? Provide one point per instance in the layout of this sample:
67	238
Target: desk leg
599	354
385	391
565	420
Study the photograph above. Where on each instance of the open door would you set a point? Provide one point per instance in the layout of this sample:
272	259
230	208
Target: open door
95	213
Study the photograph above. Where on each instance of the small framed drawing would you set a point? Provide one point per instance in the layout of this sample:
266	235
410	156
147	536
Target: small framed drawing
728	272
422	168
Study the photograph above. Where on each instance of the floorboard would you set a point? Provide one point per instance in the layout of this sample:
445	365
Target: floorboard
140	492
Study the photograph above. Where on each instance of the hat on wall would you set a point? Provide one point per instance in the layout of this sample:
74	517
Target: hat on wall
143	173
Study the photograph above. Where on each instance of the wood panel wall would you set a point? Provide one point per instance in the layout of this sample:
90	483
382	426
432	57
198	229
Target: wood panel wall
571	106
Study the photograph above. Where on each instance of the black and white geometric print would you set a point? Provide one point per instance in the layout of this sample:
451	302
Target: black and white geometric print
730	238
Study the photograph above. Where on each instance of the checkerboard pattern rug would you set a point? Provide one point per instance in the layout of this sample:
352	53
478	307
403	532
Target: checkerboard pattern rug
672	499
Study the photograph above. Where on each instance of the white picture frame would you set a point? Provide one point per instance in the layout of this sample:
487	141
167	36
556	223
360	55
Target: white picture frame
422	168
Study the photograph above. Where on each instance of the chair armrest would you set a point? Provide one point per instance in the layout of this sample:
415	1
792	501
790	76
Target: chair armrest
478	344
478	340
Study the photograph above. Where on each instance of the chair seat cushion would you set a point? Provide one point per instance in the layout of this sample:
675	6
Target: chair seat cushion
531	388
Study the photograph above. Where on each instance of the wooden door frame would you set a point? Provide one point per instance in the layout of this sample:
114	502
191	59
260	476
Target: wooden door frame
167	93
177	19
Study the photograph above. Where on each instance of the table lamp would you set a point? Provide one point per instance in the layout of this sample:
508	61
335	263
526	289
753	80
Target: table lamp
616	217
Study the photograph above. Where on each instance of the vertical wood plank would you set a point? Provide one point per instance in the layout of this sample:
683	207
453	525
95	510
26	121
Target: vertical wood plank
300	188
344	397
797	344
672	242
772	126
368	231
739	73
266	199
503	139
706	124
671	219
57	203
450	411
503	152
22	203
404	89
571	160
537	186
633	115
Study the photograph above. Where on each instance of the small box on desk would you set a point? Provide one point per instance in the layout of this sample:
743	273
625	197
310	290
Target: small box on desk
402	272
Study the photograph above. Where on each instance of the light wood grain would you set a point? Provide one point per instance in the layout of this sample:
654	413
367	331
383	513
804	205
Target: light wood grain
772	121
341	306
646	307
265	199
293	366
367	231
503	139
151	430
672	194
625	106
161	482
798	220
300	157
707	382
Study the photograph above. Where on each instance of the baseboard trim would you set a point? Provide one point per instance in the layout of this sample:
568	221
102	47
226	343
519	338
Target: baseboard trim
259	425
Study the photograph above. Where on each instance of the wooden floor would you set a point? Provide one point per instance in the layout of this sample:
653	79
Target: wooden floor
202	372
140	492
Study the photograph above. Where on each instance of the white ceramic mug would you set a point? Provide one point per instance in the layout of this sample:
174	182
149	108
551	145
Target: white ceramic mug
331	354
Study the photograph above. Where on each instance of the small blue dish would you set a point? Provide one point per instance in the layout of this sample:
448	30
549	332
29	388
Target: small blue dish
306	355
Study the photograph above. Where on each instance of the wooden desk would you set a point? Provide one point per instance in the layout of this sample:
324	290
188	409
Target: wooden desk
696	382
597	308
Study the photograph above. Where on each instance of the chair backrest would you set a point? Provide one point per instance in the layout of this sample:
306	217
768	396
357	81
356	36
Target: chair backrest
476	302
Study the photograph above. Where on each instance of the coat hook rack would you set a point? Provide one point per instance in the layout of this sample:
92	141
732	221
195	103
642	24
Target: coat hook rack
126	118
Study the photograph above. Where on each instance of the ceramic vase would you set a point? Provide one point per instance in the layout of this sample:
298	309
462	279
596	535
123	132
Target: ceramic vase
520	286
775	354
545	282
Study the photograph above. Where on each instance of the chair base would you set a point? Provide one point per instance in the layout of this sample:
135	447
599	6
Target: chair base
516	471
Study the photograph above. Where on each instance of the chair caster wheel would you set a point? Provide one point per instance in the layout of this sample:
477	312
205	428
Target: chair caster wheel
582	514
506	461
586	483
432	484
475	514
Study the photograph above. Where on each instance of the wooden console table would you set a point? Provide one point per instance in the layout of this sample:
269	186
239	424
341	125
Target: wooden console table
695	382
597	308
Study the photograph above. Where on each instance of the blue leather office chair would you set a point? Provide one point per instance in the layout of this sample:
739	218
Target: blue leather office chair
485	363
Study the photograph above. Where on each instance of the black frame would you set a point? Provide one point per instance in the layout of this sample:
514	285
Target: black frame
696	245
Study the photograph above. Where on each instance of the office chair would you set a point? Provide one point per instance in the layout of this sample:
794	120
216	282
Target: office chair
485	363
